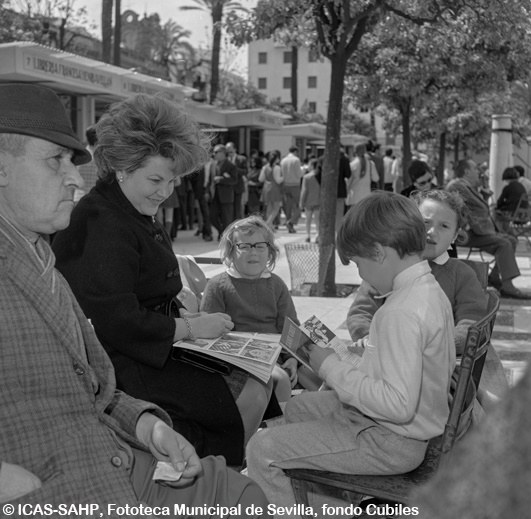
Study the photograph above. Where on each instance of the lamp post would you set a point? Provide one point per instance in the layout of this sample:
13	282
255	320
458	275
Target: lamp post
501	151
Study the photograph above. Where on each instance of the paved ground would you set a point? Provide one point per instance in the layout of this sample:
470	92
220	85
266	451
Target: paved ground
512	332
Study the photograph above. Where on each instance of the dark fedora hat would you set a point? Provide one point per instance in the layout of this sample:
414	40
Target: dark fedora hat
36	111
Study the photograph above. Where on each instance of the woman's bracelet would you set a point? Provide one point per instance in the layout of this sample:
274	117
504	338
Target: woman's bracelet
188	328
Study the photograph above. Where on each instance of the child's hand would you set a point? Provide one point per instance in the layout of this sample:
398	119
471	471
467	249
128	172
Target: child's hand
358	346
317	355
290	367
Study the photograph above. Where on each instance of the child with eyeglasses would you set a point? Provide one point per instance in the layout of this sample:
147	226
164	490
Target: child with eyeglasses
256	299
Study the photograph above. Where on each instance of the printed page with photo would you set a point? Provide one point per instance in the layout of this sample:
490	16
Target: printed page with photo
256	353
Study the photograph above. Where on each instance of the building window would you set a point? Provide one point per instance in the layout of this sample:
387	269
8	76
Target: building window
312	81
262	58
312	107
286	82
287	56
262	83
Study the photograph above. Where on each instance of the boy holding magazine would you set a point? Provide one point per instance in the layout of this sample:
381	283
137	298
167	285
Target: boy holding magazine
382	408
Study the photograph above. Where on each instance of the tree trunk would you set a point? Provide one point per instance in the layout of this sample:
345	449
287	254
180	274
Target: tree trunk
217	14
406	141
329	177
106	30
117	32
442	156
456	149
294	78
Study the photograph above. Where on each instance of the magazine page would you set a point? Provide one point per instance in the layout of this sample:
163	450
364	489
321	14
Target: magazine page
253	352
314	331
293	339
258	347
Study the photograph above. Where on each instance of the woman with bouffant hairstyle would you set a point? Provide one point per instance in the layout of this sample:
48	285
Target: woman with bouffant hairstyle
120	264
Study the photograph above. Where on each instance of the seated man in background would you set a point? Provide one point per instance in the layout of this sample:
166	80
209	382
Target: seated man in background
482	231
68	436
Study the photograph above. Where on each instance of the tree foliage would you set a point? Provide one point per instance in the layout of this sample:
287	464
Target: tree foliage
237	94
218	9
442	79
42	22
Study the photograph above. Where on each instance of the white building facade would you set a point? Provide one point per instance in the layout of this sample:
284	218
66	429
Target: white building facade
270	70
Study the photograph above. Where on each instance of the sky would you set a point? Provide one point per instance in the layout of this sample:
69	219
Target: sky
198	22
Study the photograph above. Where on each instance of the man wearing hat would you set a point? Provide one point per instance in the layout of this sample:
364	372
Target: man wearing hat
68	436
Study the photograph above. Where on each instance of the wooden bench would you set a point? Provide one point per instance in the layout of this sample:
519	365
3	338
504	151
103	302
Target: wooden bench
396	488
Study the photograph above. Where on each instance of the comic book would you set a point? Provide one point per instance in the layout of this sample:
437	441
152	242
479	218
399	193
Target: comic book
256	353
312	331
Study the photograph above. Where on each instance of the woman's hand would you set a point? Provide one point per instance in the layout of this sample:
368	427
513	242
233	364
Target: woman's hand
210	326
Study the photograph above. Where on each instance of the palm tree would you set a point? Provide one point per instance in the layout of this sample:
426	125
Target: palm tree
217	9
106	30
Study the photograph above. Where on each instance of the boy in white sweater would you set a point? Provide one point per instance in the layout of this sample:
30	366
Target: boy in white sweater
381	409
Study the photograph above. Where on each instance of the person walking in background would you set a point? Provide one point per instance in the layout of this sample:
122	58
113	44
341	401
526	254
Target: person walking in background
311	198
240	162
88	171
272	192
186	204
396	173
167	210
375	152
342	179
254	186
388	170
290	167
199	186
361	171
224	177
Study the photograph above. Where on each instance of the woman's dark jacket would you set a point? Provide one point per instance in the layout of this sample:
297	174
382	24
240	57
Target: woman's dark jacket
510	197
121	267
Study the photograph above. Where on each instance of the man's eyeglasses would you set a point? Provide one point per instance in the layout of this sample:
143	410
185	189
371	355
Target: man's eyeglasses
260	246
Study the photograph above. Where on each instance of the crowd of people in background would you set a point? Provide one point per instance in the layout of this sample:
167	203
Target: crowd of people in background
280	188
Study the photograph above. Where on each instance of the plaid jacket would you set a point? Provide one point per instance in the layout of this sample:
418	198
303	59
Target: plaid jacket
62	419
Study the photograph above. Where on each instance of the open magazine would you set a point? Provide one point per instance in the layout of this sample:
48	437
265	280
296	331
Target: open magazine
312	331
256	353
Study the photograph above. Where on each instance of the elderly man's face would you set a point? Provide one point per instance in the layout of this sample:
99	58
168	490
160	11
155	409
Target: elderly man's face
37	187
